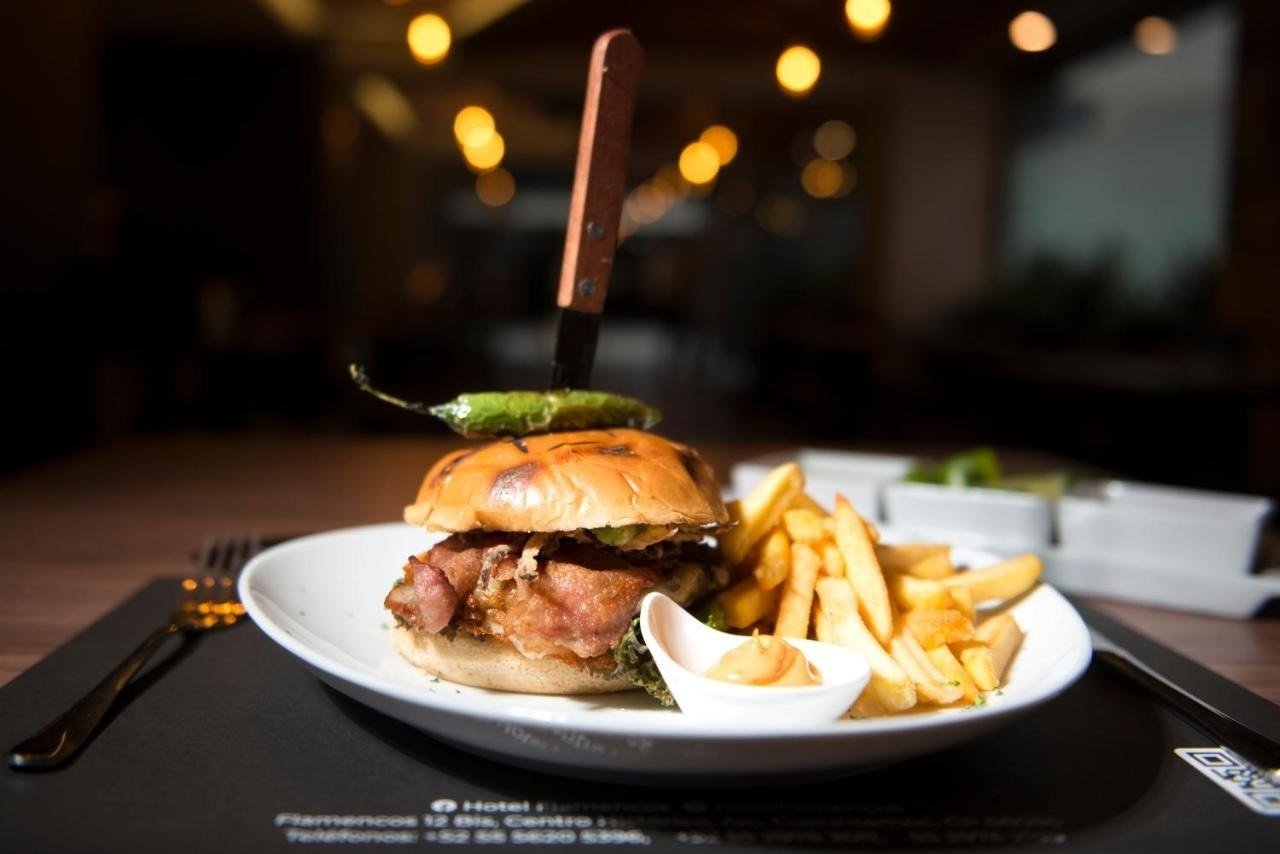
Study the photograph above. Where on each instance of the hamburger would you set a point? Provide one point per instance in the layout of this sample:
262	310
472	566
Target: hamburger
553	540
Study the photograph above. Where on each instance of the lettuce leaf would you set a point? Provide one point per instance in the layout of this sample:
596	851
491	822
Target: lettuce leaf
636	662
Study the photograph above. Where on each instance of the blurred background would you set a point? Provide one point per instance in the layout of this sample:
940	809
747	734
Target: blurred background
1050	225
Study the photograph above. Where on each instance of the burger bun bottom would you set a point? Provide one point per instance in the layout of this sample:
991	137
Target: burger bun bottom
493	664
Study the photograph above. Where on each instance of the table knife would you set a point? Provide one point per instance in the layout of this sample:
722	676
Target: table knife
1247	743
599	183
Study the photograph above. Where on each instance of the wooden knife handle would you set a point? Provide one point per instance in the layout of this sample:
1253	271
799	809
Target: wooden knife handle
600	179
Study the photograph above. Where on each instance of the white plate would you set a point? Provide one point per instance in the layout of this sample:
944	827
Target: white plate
320	597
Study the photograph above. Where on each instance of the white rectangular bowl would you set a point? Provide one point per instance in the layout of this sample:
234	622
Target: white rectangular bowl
1182	530
997	519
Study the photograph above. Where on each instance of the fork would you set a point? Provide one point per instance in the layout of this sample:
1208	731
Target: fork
208	602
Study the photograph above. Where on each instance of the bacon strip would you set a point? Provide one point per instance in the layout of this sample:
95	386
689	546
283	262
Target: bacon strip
437	600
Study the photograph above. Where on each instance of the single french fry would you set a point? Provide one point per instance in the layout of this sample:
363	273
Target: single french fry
832	562
951	668
904	557
977	660
931	685
760	510
867	706
937	626
805	501
1002	636
928	561
890	686
797	593
746	603
873	533
804	526
1002	580
772	559
962	598
863	570
911	592
822	625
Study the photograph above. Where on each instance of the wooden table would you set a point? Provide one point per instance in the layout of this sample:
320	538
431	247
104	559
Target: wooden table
78	536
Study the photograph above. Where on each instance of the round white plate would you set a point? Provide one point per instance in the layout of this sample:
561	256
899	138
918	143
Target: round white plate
320	597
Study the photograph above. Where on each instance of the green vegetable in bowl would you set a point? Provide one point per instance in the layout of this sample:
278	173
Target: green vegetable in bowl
971	468
1048	484
981	467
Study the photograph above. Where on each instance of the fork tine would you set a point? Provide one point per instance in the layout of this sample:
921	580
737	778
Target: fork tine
247	547
215	559
193	586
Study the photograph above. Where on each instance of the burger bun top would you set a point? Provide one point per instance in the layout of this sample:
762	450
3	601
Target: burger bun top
567	481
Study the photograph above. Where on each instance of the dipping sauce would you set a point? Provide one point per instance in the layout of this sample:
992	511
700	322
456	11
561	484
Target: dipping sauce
765	660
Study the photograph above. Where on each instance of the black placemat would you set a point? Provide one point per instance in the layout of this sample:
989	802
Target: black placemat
228	744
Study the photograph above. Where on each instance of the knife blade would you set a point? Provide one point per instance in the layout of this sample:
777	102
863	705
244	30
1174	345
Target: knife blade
599	183
1230	733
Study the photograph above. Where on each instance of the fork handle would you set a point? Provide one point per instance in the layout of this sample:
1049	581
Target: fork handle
62	739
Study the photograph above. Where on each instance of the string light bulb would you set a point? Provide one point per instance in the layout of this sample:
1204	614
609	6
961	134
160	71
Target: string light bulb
429	38
1032	32
867	18
473	126
699	163
723	140
798	69
1155	36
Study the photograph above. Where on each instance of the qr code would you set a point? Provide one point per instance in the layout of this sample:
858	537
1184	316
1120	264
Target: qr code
1242	780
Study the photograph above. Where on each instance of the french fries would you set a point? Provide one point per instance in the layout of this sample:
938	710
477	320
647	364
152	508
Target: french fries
802	571
863	570
797	595
1003	580
911	592
937	626
774	560
761	510
923	560
804	526
978	661
746	603
951	668
832	562
929	683
891	687
1003	637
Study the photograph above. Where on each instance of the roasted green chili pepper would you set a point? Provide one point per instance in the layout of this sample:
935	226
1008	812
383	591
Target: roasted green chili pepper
487	414
519	413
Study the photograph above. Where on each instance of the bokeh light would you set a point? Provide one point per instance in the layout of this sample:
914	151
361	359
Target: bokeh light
1155	35
781	215
425	283
798	69
867	18
429	38
649	203
723	140
821	178
834	140
495	188
473	126
484	157
1032	32
699	163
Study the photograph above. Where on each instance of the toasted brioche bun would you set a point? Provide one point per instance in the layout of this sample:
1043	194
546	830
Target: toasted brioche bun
566	481
494	664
